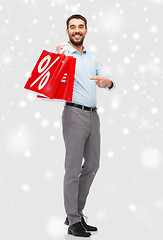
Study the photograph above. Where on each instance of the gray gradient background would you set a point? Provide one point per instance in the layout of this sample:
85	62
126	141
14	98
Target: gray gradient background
126	198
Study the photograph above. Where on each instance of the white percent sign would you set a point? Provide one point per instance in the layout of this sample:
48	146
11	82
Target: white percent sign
45	74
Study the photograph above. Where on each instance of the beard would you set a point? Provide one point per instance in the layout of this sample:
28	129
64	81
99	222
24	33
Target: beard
76	43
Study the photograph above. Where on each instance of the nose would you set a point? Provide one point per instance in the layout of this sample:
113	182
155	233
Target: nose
77	29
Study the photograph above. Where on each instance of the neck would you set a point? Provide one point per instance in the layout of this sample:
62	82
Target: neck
79	48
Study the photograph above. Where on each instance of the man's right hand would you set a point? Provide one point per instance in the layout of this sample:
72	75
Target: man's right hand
60	47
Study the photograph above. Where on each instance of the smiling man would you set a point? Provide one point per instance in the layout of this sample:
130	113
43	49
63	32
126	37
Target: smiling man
76	32
81	127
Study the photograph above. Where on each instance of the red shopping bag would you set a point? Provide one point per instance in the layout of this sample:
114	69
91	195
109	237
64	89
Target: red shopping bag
53	76
65	88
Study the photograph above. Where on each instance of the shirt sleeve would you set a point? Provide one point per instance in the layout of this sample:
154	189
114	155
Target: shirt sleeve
101	71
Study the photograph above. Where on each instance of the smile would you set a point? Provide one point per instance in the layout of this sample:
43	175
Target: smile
77	35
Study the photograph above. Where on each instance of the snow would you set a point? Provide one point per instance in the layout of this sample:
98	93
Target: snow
126	199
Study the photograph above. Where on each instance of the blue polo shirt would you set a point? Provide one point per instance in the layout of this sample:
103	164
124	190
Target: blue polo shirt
87	66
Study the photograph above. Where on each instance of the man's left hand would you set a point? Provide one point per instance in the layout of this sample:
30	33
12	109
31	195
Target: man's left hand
102	82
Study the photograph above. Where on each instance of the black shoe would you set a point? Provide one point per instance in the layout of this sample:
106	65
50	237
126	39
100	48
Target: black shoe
79	230
87	227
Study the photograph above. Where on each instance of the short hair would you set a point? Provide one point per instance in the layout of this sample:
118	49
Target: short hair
77	16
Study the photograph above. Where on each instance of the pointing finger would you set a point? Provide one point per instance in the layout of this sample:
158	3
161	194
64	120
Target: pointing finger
94	78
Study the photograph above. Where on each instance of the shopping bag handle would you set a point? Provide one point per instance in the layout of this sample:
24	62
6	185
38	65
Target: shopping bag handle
63	49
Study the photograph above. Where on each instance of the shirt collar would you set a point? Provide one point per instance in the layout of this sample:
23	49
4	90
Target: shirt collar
73	50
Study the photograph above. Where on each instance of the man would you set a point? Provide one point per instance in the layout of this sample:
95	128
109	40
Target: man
81	127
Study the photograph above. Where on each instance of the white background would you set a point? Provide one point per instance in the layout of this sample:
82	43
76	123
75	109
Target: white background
126	198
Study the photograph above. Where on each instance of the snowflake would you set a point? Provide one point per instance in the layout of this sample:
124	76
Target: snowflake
150	158
55	227
132	207
27	154
25	187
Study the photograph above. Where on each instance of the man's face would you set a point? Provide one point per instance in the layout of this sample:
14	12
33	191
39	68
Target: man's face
76	31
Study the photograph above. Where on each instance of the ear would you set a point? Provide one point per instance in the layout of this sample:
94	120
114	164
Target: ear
86	31
67	31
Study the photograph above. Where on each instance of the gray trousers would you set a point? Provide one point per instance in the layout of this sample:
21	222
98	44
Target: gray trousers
81	133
